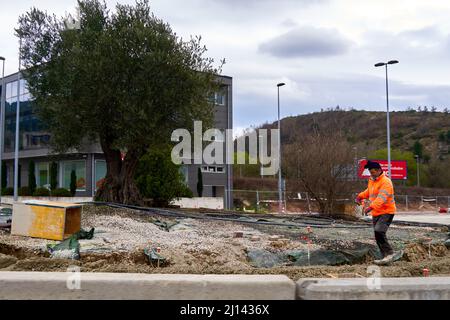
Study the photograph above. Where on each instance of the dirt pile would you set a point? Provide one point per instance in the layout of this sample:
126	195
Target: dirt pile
209	247
417	252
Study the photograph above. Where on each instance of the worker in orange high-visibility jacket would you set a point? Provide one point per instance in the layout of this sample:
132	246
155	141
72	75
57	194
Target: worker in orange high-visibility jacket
380	195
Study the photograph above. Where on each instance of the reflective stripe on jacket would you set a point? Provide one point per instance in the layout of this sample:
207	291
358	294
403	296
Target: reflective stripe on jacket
380	193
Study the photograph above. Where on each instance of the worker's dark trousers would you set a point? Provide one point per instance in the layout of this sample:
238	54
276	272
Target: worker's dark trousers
381	224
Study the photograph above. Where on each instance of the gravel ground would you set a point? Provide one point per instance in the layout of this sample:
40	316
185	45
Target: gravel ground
128	232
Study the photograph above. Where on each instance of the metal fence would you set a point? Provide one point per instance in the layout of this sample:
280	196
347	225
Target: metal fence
421	203
267	201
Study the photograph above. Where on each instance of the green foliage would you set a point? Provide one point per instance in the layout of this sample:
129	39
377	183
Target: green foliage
31	177
73	183
60	192
418	149
53	175
24	191
438	174
4	177
199	183
247	169
41	192
9	191
411	164
19	180
159	179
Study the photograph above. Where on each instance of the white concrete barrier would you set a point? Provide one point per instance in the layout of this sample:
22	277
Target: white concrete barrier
203	202
72	285
83	286
429	288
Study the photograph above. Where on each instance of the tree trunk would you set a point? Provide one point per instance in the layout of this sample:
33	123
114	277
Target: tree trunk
119	185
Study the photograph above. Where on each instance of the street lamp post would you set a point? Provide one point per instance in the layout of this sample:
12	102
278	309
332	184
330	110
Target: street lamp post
2	113
418	172
16	147
280	196
385	64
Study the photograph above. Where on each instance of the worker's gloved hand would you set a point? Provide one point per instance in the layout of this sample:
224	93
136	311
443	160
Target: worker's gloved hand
358	200
367	210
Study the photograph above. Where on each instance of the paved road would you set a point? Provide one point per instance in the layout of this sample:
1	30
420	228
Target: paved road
421	217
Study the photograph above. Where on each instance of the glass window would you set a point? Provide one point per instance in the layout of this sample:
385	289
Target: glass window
23	87
25	97
220	98
100	172
185	172
11	89
42	174
217	98
80	171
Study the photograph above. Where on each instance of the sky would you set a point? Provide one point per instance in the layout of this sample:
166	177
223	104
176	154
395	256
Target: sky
324	50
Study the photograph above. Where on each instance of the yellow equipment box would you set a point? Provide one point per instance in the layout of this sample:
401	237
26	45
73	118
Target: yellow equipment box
46	219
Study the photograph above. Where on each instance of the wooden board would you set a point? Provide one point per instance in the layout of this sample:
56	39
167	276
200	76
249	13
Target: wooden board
57	204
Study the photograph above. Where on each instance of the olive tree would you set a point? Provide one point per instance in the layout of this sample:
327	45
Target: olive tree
123	78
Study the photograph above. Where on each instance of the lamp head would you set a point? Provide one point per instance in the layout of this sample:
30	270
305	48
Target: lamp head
393	62
280	84
380	64
2	58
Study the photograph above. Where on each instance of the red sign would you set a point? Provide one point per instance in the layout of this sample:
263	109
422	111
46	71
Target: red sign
398	168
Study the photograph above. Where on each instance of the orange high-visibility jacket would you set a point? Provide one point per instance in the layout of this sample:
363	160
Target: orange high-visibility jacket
380	193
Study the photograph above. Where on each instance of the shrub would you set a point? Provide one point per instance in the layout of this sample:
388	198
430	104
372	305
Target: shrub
159	179
31	177
9	191
24	191
199	183
61	192
73	183
4	178
53	175
41	192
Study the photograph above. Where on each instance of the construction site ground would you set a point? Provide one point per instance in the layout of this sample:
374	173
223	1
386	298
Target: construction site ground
204	246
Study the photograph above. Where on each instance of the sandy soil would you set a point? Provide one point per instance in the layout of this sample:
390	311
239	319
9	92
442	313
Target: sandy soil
208	247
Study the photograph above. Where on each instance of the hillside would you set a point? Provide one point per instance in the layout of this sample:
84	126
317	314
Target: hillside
424	133
367	129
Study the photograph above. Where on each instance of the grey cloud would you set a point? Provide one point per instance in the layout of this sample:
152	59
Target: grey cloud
306	42
255	3
356	91
426	33
289	23
424	43
360	91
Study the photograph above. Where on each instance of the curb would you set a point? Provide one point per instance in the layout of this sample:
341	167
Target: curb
128	286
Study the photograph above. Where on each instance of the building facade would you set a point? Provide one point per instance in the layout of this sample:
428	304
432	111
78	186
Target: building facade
88	162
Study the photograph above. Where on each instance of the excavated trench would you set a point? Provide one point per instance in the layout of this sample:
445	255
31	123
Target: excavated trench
207	245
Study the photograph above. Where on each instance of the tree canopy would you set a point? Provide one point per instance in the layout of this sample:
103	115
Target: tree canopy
123	78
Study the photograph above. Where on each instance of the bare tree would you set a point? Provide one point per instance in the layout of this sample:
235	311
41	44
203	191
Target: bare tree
323	164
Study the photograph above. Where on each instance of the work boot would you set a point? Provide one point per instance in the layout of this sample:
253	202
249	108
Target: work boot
377	261
386	260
